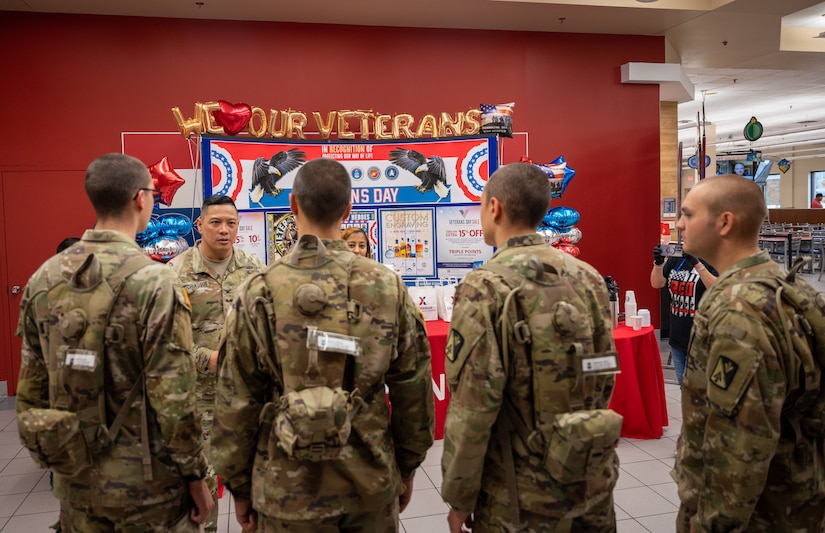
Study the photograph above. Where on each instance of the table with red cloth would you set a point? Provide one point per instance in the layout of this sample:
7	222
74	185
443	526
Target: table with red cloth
639	395
437	331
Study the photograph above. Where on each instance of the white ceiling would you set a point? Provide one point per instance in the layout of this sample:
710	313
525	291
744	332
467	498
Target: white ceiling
747	57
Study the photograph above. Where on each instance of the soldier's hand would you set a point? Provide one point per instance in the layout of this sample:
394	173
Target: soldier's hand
246	515
202	498
459	521
212	364
406	496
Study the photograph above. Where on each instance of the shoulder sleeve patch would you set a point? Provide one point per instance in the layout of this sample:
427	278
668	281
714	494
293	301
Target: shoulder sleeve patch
724	372
454	344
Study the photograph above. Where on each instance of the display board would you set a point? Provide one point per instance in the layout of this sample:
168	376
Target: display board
417	200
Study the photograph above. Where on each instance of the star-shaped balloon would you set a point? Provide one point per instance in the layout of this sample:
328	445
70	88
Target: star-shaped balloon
165	180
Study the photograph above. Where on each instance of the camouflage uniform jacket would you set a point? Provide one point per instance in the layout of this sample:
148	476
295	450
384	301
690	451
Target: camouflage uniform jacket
211	297
380	449
738	465
473	459
154	316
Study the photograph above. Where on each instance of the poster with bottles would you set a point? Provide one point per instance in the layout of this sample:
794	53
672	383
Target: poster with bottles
407	237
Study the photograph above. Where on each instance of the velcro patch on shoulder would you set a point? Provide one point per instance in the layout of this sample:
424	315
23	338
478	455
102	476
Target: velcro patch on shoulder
724	372
454	344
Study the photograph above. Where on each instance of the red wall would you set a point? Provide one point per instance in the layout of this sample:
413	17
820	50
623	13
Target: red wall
71	84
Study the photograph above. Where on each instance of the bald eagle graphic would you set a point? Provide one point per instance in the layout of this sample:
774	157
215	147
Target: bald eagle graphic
430	171
265	174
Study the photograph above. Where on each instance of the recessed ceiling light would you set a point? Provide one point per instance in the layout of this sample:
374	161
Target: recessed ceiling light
647	1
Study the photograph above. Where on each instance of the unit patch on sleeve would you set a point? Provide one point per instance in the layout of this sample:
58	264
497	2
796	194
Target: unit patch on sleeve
454	344
724	372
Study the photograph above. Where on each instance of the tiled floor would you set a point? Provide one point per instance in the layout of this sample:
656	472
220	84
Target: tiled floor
645	496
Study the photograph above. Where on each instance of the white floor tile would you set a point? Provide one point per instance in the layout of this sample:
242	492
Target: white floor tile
627	481
630	526
3	520
225	504
10	502
21	484
223	523
234	526
31	522
649	472
38	502
642	501
426	524
662	523
9	437
23	465
422	481
629	453
668	491
9	451
425	502
673	429
669	461
434	455
620	514
674	410
658	448
435	475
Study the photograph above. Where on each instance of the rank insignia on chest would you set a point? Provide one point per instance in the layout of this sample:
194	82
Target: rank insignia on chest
724	372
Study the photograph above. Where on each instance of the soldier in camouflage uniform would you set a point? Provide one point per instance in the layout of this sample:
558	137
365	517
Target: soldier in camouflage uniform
153	316
474	466
740	465
211	272
365	488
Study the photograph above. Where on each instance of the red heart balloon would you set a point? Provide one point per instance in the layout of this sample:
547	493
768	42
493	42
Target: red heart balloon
233	117
165	180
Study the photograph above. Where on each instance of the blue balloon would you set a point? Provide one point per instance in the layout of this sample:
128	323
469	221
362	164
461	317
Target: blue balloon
152	230
561	217
174	224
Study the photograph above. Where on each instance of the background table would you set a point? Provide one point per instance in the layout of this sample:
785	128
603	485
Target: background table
639	395
437	331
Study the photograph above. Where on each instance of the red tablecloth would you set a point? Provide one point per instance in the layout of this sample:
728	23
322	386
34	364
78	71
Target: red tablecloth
639	395
437	331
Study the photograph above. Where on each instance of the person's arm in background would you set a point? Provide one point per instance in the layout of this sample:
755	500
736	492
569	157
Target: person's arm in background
657	278
707	277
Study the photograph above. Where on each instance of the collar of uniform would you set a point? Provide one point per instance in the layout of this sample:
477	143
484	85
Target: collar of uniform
108	235
756	259
199	265
531	239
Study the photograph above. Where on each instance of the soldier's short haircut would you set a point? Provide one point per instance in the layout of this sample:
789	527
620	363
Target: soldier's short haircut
523	190
218	199
740	196
112	180
323	190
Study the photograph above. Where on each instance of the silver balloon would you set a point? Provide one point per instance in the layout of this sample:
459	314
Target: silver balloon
551	236
571	235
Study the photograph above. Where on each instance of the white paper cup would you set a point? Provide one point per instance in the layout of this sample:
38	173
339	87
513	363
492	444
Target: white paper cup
645	314
636	322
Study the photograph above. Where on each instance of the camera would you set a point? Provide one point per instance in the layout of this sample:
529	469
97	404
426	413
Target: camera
671	250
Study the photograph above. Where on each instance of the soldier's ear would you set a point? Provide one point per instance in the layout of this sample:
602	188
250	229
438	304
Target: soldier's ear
293	204
346	212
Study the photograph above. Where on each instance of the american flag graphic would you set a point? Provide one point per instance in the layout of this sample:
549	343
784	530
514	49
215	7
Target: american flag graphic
503	109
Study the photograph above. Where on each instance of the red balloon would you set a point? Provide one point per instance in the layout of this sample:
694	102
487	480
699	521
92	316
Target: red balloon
571	249
233	117
165	180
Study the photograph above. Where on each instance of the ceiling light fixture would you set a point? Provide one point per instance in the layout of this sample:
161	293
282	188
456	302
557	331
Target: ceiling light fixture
647	1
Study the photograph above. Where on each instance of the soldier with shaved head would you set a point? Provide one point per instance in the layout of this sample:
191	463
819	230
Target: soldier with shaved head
303	437
751	452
